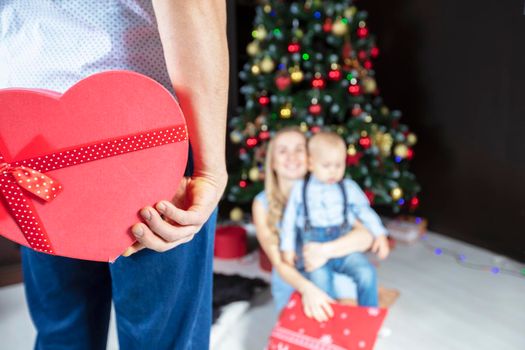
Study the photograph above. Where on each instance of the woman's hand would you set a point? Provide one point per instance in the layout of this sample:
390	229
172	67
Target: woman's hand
192	205
315	255
316	303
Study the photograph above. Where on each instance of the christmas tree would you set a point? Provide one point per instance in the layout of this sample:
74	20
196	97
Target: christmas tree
311	65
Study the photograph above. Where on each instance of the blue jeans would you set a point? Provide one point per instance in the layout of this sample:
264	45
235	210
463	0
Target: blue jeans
355	265
162	300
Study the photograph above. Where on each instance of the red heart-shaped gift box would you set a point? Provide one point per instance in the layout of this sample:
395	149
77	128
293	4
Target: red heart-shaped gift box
114	111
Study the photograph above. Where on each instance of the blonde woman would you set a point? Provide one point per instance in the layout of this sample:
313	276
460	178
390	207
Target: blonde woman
286	161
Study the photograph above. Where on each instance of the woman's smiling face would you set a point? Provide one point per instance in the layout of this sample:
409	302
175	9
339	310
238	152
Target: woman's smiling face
290	156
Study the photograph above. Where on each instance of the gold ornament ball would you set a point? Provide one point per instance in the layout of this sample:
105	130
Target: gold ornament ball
236	136
260	33
267	64
298	33
286	112
253	48
396	193
350	12
401	151
236	214
339	28
385	150
253	174
385	144
378	137
351	150
256	70
385	110
388	139
267	8
303	127
369	85
297	76
411	139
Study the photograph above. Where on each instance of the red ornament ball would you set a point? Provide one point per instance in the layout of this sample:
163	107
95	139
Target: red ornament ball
243	184
353	160
374	52
327	26
370	195
334	74
365	142
251	142
410	153
362	32
414	202
283	82
315	129
367	64
354	90
362	55
315	109
264	100
356	111
294	47
264	135
318	83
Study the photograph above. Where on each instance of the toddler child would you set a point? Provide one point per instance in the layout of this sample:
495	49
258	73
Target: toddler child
322	208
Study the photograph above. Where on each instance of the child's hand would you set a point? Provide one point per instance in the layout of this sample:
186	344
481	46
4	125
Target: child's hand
314	255
289	258
381	247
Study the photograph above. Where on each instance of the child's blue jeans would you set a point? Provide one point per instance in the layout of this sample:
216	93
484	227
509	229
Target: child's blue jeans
162	300
355	265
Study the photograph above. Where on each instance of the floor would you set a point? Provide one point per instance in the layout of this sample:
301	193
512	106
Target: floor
443	305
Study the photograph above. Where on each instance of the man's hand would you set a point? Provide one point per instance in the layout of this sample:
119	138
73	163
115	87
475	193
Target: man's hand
192	205
381	247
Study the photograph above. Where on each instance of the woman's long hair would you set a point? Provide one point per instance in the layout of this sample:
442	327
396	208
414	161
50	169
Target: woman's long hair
276	199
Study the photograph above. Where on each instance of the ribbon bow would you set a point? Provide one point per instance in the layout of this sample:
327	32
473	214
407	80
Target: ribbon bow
33	181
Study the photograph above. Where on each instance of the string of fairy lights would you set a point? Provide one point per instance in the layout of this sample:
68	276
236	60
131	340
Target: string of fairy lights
462	260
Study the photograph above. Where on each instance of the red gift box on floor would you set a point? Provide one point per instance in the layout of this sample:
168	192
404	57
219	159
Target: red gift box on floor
352	327
75	169
230	242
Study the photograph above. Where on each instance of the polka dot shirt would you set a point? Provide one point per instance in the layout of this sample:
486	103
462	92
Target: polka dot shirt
52	44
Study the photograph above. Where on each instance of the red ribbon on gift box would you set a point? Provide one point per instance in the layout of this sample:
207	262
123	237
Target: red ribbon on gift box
19	180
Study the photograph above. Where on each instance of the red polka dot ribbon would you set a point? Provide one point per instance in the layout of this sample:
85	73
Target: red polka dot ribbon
33	181
19	180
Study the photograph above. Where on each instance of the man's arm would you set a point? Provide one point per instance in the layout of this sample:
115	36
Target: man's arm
193	35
